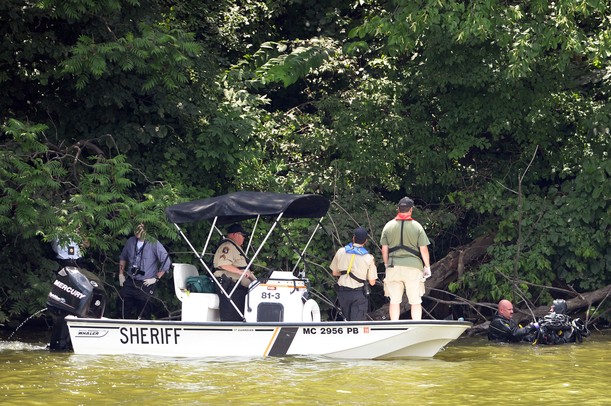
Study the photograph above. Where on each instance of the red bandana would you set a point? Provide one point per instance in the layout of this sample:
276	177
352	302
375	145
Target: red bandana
404	216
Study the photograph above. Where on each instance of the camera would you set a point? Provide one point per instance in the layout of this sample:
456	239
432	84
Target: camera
137	271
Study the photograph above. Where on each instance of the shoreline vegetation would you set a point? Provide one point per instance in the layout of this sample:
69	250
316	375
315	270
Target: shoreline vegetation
492	116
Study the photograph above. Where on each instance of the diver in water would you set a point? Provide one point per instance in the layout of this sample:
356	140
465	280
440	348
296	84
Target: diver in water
503	328
558	328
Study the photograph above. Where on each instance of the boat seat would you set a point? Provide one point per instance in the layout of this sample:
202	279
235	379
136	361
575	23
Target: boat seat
196	307
181	273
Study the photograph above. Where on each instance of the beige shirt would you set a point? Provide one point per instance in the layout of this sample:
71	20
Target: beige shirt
229	254
363	267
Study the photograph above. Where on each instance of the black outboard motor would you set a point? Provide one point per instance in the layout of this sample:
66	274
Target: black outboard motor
76	292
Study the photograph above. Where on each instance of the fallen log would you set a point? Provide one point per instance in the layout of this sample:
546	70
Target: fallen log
575	305
447	269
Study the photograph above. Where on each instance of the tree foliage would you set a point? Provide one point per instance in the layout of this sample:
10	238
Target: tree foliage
447	102
493	116
57	194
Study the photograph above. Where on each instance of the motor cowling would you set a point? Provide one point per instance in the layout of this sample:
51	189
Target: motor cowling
78	292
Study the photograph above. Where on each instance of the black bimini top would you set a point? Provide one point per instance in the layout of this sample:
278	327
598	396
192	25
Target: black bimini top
238	206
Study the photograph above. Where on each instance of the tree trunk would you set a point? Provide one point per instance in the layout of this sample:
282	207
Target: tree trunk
446	270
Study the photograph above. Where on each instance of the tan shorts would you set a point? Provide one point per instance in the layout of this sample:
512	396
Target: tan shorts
401	279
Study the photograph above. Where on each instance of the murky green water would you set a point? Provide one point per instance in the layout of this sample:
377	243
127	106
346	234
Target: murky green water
469	371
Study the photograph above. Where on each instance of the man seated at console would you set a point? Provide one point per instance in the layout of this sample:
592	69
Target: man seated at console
230	264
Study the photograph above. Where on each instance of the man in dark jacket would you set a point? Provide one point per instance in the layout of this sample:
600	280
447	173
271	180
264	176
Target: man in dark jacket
503	328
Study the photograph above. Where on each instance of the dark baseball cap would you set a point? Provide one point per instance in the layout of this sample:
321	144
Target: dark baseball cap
236	228
360	235
406	202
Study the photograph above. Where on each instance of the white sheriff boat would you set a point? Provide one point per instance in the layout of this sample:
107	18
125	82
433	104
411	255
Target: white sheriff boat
278	319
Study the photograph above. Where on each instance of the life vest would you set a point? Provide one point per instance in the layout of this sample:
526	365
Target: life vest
351	249
402	246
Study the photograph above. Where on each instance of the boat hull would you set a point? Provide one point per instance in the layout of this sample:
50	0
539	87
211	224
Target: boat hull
343	340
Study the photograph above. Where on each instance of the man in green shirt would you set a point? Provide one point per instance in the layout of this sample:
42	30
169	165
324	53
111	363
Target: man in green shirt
406	258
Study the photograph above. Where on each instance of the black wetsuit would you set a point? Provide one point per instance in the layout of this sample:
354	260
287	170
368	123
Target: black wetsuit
502	329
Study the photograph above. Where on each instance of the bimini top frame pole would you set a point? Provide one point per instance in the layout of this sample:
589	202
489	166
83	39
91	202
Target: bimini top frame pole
210	272
307	244
271	229
249	266
197	255
245	205
209	235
